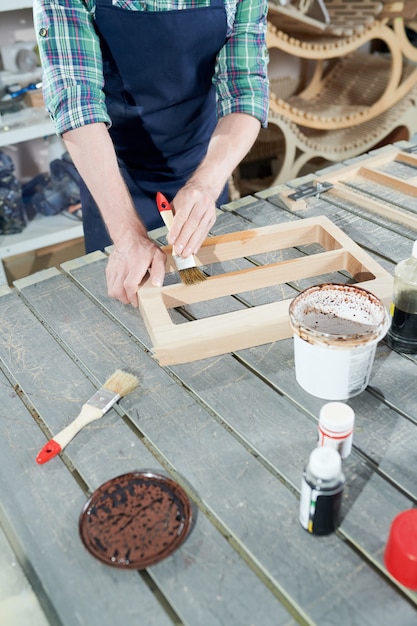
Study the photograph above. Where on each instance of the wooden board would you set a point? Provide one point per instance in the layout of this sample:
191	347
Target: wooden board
236	330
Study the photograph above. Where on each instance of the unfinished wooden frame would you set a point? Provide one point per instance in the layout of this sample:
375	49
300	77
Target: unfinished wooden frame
241	329
371	170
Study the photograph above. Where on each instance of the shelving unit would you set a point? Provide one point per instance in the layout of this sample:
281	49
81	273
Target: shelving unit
15	5
355	89
41	231
39	126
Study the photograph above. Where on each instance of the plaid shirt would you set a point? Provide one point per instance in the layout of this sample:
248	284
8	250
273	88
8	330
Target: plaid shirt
72	65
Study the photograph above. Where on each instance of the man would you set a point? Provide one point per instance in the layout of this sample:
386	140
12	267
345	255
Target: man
152	95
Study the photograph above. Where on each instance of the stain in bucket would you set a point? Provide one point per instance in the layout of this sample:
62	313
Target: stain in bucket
345	312
336	329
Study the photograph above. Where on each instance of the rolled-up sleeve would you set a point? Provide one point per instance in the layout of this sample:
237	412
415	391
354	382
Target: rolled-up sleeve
71	63
241	76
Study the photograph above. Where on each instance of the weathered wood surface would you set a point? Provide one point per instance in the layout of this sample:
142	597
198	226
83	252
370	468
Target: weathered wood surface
18	601
234	430
55	388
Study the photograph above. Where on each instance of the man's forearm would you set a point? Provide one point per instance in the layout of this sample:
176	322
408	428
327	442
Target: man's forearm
93	154
134	255
195	203
232	139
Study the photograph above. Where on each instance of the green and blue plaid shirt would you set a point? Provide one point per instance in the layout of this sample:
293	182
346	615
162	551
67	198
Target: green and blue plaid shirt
72	65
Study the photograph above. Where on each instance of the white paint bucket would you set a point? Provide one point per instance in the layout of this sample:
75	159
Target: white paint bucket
336	331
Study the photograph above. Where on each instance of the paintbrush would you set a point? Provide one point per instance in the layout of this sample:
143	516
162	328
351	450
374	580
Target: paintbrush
118	385
189	273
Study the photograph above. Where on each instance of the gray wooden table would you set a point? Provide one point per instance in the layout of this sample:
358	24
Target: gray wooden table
235	431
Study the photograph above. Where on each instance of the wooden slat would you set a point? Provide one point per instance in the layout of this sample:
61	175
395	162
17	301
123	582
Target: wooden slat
394	214
370	169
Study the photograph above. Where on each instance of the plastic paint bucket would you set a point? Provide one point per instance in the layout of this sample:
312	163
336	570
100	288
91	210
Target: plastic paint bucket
336	330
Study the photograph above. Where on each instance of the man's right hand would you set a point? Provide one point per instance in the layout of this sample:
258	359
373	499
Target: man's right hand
129	262
134	253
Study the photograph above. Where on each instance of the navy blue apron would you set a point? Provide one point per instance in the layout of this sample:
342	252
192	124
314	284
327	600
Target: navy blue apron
158	68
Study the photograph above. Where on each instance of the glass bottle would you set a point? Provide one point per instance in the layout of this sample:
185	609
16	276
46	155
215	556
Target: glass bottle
321	492
402	335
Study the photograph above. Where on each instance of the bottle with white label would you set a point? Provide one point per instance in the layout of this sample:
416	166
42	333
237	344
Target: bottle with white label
321	492
402	335
336	423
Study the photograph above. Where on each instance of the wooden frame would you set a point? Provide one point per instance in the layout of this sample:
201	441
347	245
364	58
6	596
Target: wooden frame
371	170
241	329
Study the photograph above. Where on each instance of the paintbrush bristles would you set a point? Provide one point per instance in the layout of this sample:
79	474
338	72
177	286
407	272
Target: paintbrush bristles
192	276
121	383
186	267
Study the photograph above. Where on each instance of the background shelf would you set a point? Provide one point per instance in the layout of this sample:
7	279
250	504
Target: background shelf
38	126
14	5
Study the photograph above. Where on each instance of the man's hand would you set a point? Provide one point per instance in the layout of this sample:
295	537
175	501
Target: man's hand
134	254
195	204
195	213
129	262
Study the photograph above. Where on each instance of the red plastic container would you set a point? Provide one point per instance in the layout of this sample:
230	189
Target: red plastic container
401	549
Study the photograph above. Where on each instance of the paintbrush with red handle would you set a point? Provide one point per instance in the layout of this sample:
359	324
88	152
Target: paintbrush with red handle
189	273
118	385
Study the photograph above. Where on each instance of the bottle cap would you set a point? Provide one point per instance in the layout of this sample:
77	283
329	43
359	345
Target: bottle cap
401	550
325	463
337	417
414	251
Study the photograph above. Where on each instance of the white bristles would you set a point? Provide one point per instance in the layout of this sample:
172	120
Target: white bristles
121	383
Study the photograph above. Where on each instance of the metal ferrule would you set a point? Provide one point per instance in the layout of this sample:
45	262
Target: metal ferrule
184	263
103	399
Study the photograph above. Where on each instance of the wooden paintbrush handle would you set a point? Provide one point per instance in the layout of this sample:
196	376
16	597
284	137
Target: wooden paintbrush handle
185	265
54	446
164	209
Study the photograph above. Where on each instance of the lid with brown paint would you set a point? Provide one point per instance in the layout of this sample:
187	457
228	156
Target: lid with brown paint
136	520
